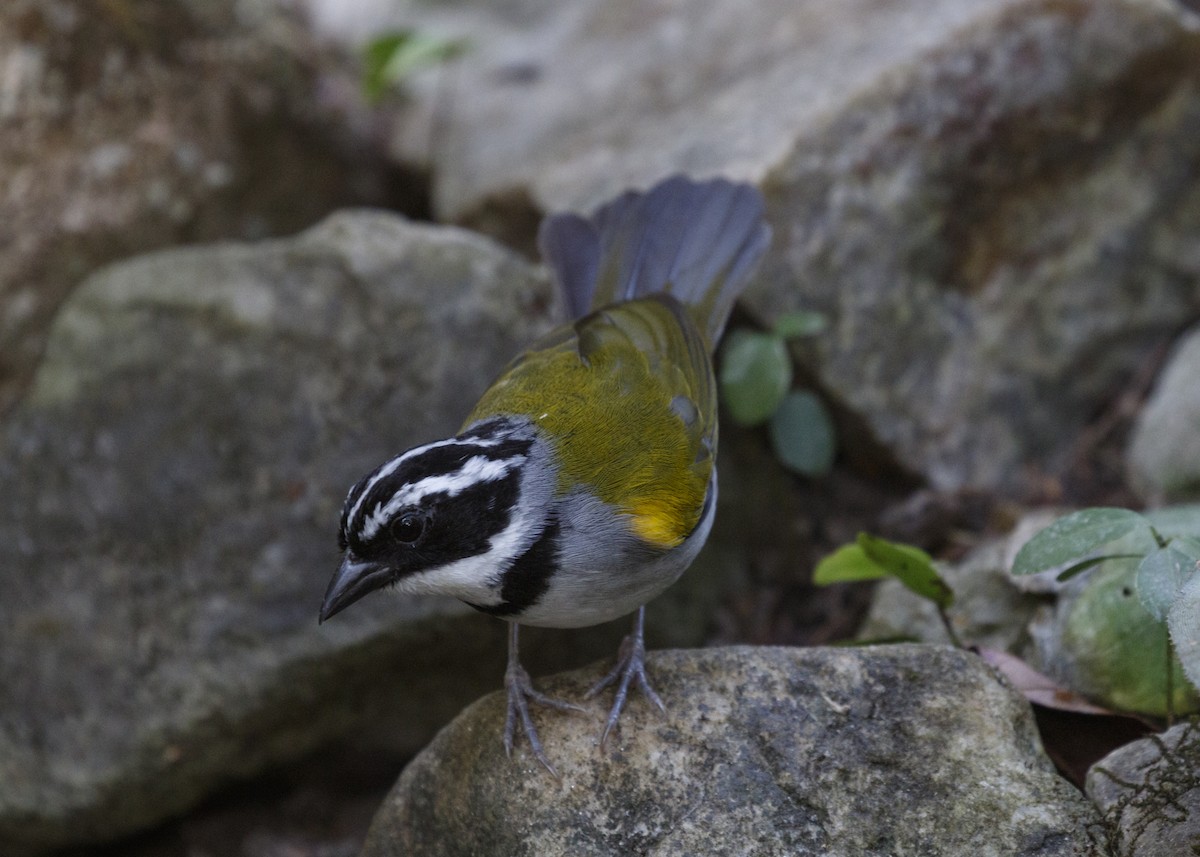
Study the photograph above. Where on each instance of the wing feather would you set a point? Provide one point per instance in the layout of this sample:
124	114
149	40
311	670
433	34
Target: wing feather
641	363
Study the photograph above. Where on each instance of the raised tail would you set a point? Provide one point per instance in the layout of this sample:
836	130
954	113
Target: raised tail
697	241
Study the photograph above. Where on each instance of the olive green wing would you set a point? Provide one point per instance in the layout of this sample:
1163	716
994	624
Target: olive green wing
627	397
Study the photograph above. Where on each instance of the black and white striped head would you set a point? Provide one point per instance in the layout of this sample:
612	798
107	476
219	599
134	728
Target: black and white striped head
442	518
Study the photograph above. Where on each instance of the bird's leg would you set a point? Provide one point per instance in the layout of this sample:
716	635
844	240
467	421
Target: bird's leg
520	690
631	664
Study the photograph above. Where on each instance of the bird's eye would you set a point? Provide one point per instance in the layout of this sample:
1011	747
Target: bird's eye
408	527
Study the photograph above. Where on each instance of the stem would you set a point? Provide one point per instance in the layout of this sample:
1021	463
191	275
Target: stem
945	617
439	114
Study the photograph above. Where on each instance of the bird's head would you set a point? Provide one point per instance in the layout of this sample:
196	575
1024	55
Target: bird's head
442	518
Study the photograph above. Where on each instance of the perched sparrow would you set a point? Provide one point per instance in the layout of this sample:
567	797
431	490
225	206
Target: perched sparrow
583	483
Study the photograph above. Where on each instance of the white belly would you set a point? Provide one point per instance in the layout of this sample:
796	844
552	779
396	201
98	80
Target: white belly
608	576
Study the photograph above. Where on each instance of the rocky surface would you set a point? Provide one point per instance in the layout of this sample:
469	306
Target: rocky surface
1149	793
1164	450
131	125
764	751
172	485
995	203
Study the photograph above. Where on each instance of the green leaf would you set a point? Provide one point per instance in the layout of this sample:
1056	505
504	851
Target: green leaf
391	57
802	434
871	558
1160	577
848	564
911	566
1189	547
420	51
1112	649
1183	620
1070	539
376	55
755	374
793	325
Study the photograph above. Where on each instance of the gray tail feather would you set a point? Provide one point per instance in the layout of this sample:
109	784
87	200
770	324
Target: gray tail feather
697	241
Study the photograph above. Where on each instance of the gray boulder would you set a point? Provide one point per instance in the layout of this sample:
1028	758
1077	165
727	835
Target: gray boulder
172	483
997	234
1164	449
1149	793
763	751
995	203
139	125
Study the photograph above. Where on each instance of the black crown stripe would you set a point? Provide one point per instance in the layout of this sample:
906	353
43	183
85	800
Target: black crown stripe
444	460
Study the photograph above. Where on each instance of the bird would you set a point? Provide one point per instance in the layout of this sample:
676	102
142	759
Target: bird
583	483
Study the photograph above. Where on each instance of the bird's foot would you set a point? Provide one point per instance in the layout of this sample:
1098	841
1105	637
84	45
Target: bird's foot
630	667
520	693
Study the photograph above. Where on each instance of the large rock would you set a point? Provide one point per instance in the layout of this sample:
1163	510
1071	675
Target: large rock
1149	793
130	126
995	203
172	483
763	751
1164	449
999	233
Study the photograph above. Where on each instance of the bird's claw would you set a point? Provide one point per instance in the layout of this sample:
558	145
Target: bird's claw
520	692
630	666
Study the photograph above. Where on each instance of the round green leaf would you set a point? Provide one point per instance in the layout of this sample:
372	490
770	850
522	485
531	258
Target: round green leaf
802	434
1160	577
793	325
755	374
1070	539
1116	651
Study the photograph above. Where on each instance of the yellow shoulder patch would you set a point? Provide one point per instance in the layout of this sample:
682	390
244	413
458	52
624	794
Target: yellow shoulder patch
659	524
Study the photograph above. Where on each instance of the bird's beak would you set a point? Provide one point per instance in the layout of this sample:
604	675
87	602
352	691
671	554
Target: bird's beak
351	582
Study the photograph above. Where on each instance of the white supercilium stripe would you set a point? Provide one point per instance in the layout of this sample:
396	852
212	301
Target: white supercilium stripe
475	470
390	468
